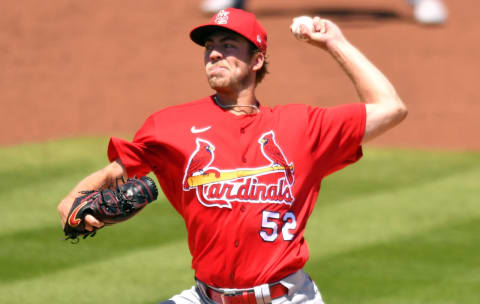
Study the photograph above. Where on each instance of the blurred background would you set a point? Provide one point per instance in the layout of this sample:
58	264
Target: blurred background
401	226
72	68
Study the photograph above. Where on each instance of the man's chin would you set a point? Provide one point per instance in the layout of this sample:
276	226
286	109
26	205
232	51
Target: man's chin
218	85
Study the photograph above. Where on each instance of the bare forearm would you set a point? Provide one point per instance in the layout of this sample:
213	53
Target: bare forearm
92	182
371	84
103	178
384	108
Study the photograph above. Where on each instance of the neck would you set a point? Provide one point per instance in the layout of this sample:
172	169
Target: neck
238	103
237	108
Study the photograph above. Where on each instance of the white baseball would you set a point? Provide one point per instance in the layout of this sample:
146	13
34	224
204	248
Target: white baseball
295	27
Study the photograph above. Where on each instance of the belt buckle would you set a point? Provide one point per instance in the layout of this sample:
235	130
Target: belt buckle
230	293
227	293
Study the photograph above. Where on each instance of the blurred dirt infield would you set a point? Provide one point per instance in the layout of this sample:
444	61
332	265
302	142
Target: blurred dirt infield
70	68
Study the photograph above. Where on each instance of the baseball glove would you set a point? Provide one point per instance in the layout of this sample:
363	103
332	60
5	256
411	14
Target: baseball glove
109	206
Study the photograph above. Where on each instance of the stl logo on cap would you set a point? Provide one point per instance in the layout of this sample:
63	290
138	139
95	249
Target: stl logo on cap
222	17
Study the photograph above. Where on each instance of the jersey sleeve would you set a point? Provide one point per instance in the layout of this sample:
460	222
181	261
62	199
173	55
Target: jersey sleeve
138	156
335	136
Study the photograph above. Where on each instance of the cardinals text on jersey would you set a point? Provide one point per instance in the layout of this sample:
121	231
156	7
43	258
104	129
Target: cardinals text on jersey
220	187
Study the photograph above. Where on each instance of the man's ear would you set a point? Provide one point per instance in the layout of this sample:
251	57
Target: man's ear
257	61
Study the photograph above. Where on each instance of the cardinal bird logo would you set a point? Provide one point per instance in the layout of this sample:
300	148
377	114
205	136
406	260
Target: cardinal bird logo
271	150
200	159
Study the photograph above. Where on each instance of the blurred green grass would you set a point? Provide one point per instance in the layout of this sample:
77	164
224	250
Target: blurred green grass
400	226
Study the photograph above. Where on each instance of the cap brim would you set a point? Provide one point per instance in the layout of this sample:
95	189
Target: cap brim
201	33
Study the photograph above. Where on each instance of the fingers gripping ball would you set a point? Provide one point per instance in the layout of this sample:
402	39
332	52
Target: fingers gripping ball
109	206
297	24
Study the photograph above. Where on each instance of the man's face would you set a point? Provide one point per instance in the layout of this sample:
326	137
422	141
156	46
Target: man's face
228	62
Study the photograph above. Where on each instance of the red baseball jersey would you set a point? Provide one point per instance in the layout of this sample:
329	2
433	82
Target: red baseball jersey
245	185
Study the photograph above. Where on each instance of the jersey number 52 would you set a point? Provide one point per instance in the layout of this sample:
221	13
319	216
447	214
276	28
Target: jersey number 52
270	220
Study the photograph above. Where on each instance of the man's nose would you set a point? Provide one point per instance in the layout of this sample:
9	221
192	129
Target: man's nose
215	55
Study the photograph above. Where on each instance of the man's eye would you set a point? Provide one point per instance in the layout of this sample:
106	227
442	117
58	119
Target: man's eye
228	45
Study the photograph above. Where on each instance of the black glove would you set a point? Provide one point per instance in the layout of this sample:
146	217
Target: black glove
109	206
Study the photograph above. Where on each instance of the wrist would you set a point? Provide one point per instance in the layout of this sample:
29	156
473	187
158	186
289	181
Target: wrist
338	47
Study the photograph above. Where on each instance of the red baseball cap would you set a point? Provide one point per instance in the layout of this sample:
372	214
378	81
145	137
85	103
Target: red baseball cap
236	20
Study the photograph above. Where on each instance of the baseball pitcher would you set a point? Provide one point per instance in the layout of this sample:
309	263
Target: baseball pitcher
245	177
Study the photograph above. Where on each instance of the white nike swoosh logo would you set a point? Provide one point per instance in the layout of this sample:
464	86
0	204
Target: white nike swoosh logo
195	130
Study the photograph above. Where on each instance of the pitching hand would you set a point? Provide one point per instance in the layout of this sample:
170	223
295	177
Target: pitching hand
324	34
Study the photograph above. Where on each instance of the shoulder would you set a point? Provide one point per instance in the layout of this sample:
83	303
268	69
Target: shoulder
285	108
293	111
296	107
290	106
169	118
309	115
309	109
